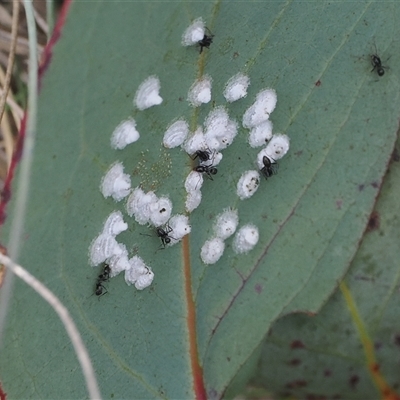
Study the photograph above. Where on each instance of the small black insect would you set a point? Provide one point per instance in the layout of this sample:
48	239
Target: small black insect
164	234
206	169
203	155
206	41
269	168
104	277
377	65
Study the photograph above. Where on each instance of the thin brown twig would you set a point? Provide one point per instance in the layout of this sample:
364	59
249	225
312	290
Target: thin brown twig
10	64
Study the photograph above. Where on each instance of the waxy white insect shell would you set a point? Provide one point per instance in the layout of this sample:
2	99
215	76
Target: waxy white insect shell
212	250
102	248
226	224
115	183
180	227
245	239
261	109
236	87
278	146
138	204
200	91
115	224
260	134
176	134
137	268
118	264
193	200
195	142
125	133
248	184
194	181
193	33
147	94
219	129
144	280
160	211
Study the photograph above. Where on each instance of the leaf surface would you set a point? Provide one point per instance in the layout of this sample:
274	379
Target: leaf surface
342	120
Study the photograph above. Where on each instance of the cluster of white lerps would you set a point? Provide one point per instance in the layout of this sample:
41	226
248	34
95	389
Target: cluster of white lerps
105	248
224	227
206	144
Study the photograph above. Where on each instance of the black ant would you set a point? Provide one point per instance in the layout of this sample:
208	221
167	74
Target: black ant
206	41
104	277
269	168
163	234
377	63
206	169
203	155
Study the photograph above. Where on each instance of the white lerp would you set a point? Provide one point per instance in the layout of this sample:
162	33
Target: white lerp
245	239
278	146
261	109
138	205
200	91
176	134
193	200
180	227
138	273
104	247
115	224
115	183
236	87
226	224
147	94
212	250
248	184
195	142
193	33
160	211
260	134
125	133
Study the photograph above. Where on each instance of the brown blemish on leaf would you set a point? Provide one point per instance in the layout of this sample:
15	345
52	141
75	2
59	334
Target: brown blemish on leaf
373	222
397	339
297	344
353	381
258	288
294	362
396	155
296	384
375	185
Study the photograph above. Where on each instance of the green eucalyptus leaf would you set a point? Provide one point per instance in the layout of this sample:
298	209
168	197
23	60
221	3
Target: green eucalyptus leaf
198	324
332	354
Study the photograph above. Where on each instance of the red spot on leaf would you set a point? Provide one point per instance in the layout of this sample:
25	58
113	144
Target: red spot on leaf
375	367
327	372
294	362
3	394
375	185
297	344
318	83
373	222
353	381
